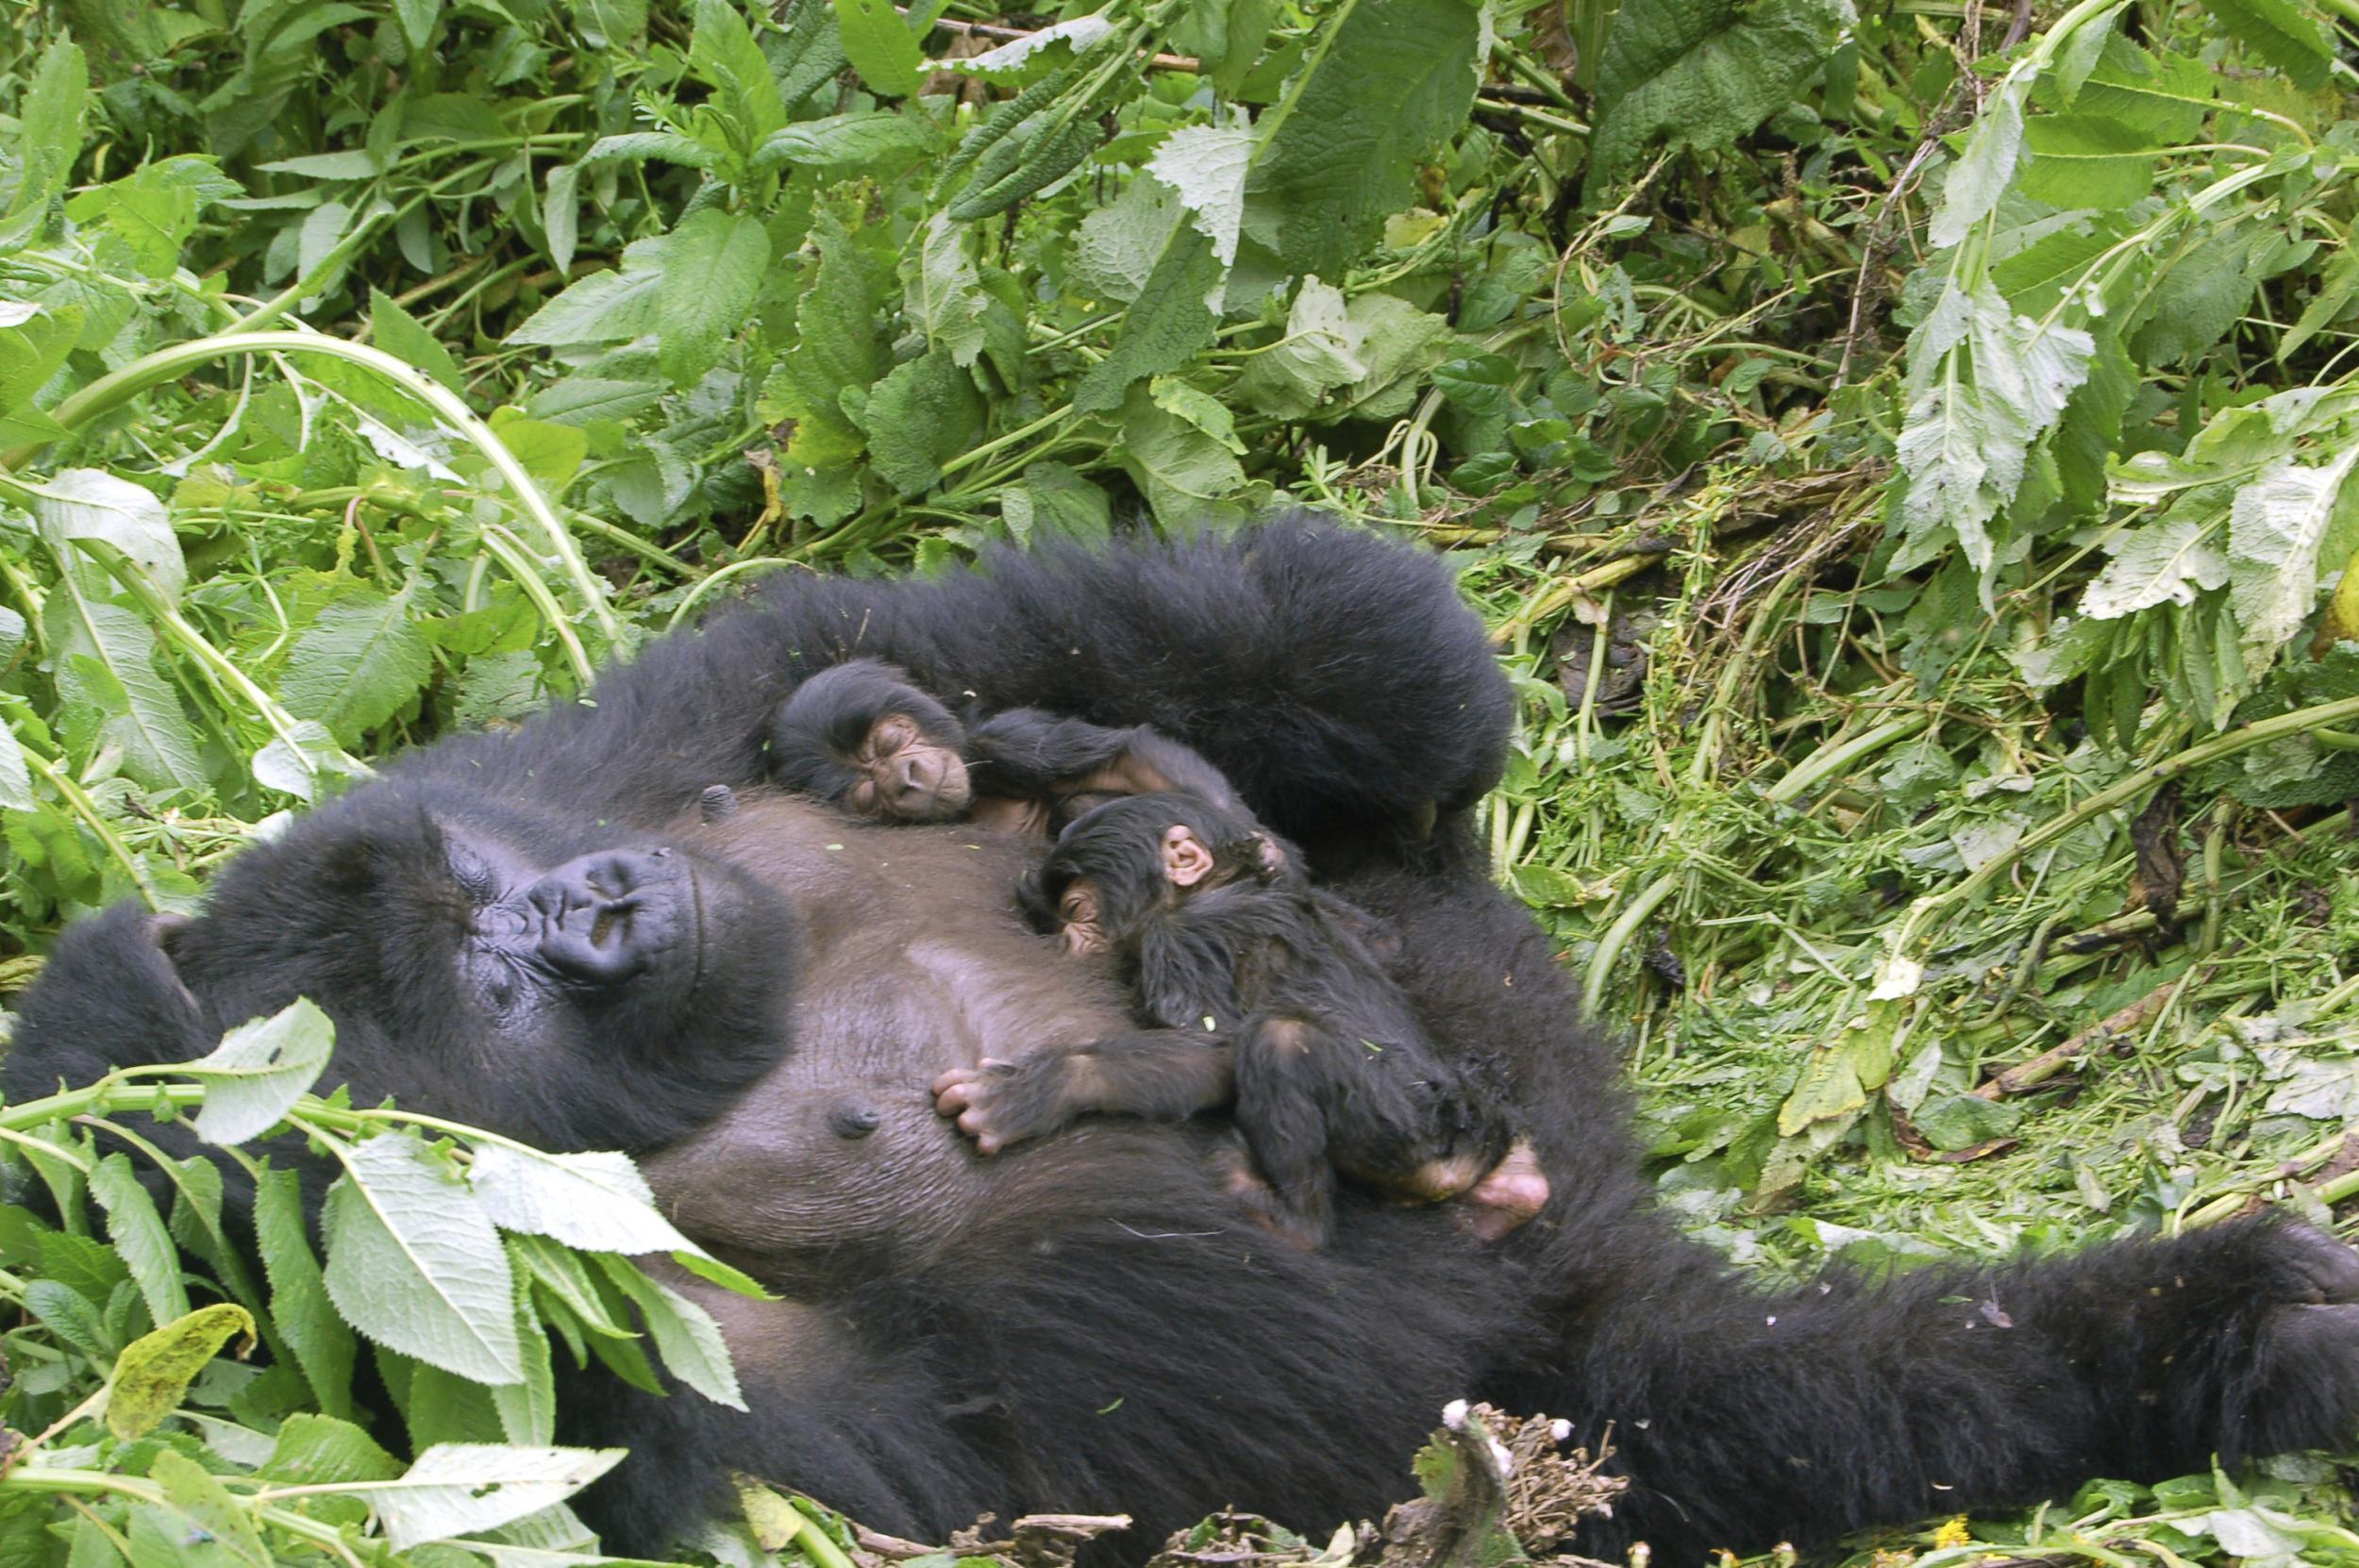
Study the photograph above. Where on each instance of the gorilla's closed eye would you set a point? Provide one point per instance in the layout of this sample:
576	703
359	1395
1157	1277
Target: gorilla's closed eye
473	873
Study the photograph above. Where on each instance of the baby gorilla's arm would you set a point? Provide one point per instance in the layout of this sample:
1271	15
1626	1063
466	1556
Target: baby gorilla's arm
1162	1075
1027	754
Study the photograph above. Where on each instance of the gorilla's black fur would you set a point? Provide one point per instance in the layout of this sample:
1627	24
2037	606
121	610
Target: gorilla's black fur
1087	1323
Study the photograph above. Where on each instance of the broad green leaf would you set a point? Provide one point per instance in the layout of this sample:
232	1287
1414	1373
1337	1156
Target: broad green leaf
880	46
1166	327
2164	97
836	349
1184	473
460	1489
598	1201
260	1070
71	1316
1054	502
34	342
685	1335
358	665
140	1237
2286	33
604	308
16	779
1319	353
88	504
1700	74
946	298
48	139
561	214
297	762
609	24
1120	242
1021	61
872	141
1386	81
203	1511
154	1371
2201	292
1984	385
649	146
331	167
1985	169
722	55
715	269
414	1264
924	412
1953	1121
2082	161
1206	166
551	453
2165	562
2034	276
319	1450
399	334
1399	344
2275	528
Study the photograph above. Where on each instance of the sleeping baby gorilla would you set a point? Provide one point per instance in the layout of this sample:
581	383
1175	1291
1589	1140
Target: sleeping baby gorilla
864	737
1264	1000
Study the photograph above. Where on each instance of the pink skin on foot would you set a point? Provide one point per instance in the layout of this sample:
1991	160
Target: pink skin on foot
1516	1190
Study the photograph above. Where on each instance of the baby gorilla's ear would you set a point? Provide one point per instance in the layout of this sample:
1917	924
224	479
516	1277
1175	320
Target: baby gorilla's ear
1186	861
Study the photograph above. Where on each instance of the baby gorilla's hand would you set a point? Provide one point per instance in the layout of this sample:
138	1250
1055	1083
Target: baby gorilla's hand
999	1103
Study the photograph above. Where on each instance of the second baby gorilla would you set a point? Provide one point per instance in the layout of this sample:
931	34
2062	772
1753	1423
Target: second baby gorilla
1085	1322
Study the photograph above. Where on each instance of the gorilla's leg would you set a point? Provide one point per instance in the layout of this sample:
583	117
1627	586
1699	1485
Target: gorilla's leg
1745	1419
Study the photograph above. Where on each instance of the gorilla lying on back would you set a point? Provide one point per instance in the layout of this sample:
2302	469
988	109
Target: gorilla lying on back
538	933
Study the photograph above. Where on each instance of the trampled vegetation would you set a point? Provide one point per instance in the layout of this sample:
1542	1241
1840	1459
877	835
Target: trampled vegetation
1903	454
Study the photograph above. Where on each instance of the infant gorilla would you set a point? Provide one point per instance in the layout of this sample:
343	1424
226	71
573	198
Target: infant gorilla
1256	991
1262	995
861	736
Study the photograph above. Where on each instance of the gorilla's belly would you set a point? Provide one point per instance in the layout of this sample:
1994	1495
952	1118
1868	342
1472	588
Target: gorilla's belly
914	960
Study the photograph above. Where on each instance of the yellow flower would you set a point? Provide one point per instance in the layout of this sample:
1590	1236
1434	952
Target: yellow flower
1953	1533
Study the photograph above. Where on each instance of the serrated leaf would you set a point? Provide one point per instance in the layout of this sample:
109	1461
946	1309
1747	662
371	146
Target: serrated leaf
205	1510
2275	528
461	1488
401	335
16	779
414	1264
604	308
2085	160
920	415
2200	293
863	140
1021	61
685	1335
650	147
1184	473
260	1070
356	665
81	505
34	342
1206	167
1986	167
714	271
1319	353
1700	73
1055	502
318	1450
155	1370
322	1342
946	298
1120	242
48	137
1386	81
140	1238
2286	33
722	54
2164	97
2167	562
598	1201
1165	328
880	46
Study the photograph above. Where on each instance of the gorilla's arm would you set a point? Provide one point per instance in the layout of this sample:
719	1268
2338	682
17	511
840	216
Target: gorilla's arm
1337	681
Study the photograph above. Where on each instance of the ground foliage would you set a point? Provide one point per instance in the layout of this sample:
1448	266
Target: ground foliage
1903	455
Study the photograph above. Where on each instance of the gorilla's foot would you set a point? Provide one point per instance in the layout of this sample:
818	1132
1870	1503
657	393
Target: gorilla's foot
1513	1192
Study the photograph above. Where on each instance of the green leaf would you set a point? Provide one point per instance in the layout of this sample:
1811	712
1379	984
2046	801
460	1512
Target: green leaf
2164	97
1985	169
16	779
140	1237
1386	81
2200	293
414	1264
260	1070
2082	161
1021	61
650	147
685	1335
358	665
2167	562
598	1201
1953	1121
460	1489
204	1512
946	298
34	342
881	45
1184	473
1120	242
318	1450
1166	326
1206	166
154	1371
722	55
874	141
717	267
919	416
1054	502
88	504
399	334
2287	34
1319	353
605	308
2275	528
1700	73
48	139
836	348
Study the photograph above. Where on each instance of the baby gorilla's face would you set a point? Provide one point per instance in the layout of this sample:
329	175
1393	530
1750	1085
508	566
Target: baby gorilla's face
906	777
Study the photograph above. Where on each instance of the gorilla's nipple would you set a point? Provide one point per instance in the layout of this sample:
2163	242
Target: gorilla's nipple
718	801
853	1121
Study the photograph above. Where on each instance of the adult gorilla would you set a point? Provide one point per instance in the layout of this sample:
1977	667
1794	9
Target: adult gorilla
534	931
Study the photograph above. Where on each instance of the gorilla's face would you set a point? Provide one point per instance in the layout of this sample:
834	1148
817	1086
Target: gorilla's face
436	928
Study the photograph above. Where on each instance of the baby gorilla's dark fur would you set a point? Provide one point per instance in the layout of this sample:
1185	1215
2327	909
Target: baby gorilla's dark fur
1087	1324
862	736
1233	954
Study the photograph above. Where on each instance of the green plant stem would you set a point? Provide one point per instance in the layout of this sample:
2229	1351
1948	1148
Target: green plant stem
1834	759
111	391
86	809
1617	937
511	552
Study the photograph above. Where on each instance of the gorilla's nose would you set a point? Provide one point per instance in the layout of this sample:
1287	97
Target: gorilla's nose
605	916
919	772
